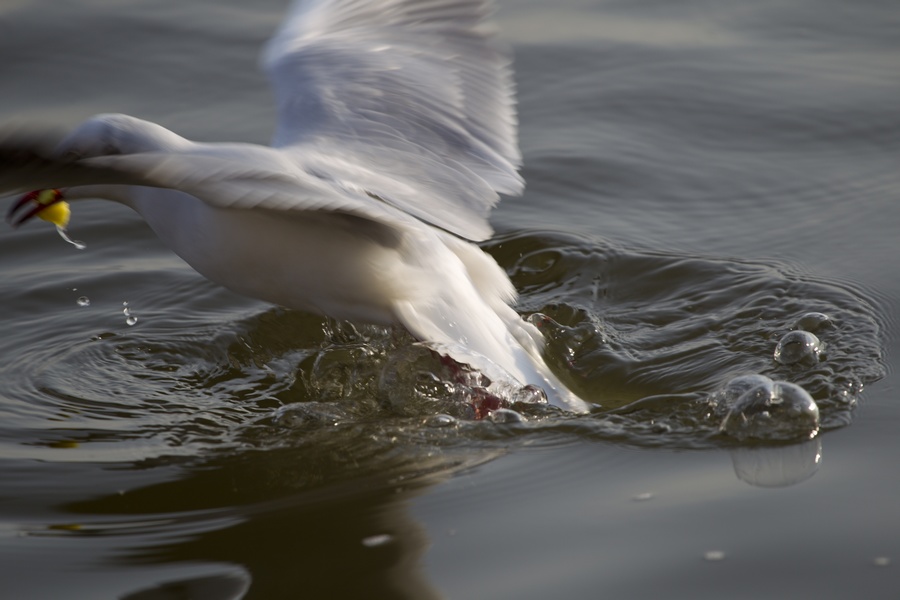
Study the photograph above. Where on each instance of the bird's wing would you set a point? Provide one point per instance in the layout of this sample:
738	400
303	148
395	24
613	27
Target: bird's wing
410	100
240	176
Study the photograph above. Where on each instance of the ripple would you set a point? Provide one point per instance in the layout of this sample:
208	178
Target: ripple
652	338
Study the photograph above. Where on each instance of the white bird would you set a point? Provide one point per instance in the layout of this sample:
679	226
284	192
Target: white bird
396	131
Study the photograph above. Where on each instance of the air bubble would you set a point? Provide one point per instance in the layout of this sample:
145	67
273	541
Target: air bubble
83	301
772	410
812	322
506	415
798	347
441	421
739	386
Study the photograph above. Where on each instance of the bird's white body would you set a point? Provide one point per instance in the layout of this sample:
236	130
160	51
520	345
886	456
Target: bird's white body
396	131
444	290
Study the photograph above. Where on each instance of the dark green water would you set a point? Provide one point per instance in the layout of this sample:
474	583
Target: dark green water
699	177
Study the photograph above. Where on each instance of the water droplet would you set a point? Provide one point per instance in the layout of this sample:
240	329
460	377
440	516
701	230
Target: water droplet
798	346
130	319
643	497
376	540
714	555
62	233
83	301
813	321
882	561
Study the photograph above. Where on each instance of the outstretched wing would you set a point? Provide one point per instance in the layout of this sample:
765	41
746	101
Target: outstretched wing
241	176
408	100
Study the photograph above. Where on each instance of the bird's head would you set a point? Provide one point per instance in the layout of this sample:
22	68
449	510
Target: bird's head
49	205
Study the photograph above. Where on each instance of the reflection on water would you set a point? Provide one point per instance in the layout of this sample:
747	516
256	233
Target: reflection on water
777	466
260	511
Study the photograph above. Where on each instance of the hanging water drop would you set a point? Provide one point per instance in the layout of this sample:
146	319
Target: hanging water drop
77	243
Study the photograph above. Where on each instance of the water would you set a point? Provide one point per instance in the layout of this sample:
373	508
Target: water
708	185
79	245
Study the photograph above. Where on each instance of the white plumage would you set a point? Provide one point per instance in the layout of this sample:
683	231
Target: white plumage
396	132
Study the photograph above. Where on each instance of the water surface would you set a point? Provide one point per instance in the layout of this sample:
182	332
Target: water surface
700	177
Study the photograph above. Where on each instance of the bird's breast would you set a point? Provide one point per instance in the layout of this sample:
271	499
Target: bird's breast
314	261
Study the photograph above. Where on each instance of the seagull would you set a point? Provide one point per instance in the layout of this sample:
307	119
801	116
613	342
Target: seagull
396	132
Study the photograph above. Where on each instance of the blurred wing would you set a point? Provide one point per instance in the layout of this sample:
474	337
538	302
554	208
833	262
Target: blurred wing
240	176
409	100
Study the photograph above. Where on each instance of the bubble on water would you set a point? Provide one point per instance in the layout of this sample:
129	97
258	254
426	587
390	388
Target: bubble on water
529	394
769	410
798	347
812	322
441	421
83	301
506	415
742	384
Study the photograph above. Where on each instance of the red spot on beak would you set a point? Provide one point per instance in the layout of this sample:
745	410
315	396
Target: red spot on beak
39	205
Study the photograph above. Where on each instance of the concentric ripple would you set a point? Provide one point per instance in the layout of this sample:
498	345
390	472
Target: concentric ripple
651	338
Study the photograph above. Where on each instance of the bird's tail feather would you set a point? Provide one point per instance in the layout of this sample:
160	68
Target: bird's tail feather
495	340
